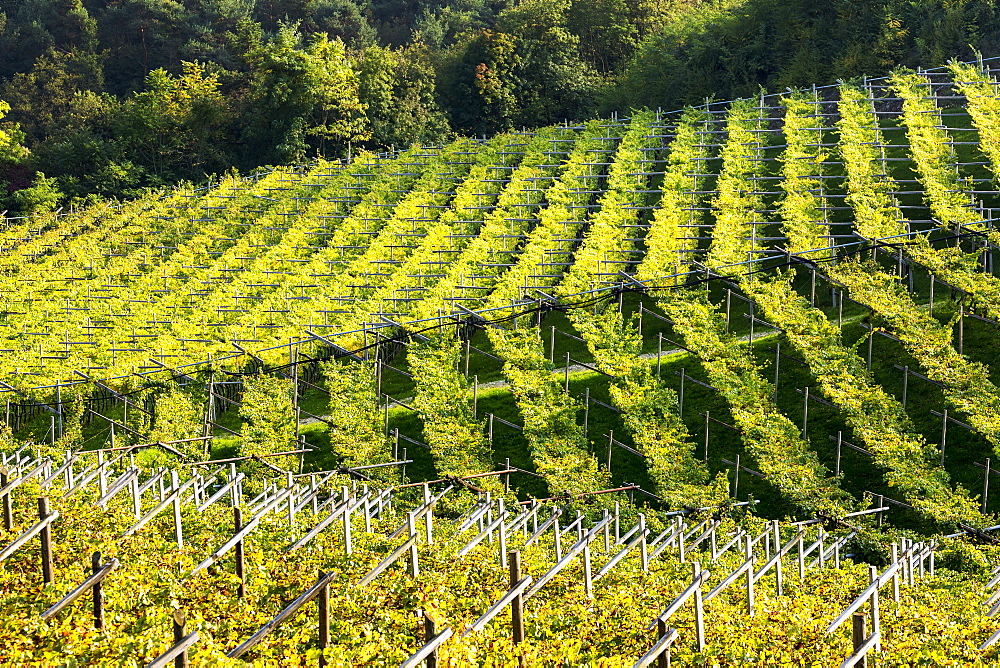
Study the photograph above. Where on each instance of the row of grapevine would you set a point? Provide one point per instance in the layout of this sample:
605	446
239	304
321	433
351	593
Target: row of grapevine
566	621
776	443
558	446
878	420
206	256
967	385
877	213
649	408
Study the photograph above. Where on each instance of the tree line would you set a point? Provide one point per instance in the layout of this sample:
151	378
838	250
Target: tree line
106	98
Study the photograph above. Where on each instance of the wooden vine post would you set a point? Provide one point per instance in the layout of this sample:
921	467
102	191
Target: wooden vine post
8	516
94	584
180	620
241	590
517	604
46	539
430	630
859	634
323	603
98	590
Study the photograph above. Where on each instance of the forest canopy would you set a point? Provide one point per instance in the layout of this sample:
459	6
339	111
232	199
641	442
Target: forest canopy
109	97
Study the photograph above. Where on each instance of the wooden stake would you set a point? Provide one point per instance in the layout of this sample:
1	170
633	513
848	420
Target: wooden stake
430	630
680	405
429	516
323	603
801	559
659	352
180	619
348	543
699	612
871	339
906	384
178	528
777	366
986	484
46	539
750	596
611	440
102	476
241	589
736	478
98	591
567	372
706	435
840	440
411	526
643	550
858	635
895	575
805	415
662	661
876	626
779	584
961	327
944	433
516	605
729	294
8	515
234	492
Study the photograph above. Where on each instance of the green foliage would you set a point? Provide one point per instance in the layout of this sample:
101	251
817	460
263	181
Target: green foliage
442	400
875	416
299	78
33	29
179	415
41	196
11	137
526	71
174	125
650	413
357	432
736	205
938	620
676	206
967	383
557	444
776	443
802	167
303	96
964	558
649	408
42	97
983	106
730	48
929	145
268	419
397	87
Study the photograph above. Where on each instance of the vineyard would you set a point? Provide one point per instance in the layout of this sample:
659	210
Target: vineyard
716	386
